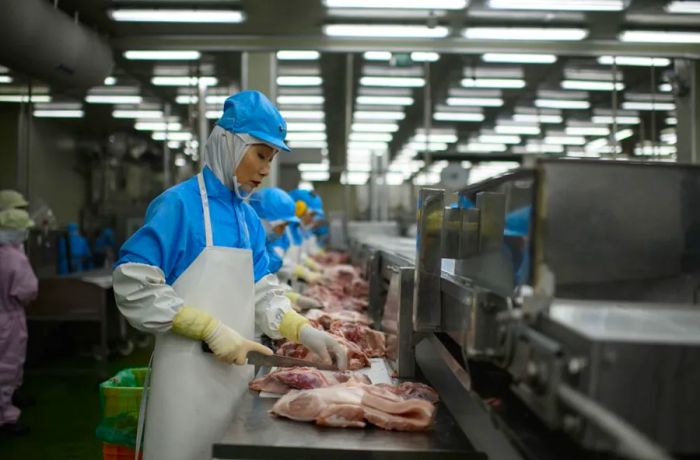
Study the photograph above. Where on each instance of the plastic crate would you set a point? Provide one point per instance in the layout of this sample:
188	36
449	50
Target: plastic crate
117	452
121	395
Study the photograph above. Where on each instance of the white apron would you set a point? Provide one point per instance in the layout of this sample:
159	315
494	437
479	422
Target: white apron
293	251
193	395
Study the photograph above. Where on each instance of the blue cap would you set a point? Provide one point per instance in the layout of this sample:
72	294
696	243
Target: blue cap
274	204
250	112
312	200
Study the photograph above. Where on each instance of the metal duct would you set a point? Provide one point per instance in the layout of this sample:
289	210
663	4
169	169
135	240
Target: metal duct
44	42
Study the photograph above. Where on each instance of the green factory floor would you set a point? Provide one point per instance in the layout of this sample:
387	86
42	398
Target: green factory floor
66	413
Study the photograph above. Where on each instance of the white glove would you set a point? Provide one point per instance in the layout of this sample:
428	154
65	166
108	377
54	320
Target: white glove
324	345
229	346
306	303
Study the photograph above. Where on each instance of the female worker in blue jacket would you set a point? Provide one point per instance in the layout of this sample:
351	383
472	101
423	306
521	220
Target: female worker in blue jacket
198	271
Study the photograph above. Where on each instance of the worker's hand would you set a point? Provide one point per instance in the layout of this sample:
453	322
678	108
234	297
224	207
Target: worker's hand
306	303
313	265
314	278
324	345
230	347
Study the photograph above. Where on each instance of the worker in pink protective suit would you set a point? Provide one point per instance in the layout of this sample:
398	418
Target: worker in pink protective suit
18	286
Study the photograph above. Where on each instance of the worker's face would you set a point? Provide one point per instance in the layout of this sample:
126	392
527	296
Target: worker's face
279	229
307	218
254	166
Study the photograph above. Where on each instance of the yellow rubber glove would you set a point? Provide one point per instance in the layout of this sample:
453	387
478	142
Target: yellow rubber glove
312	265
228	345
291	324
307	275
292	296
306	303
325	346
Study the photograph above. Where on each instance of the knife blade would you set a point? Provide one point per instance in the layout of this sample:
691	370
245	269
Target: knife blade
259	359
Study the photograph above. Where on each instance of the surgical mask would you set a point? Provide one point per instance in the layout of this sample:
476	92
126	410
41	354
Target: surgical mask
270	234
13	236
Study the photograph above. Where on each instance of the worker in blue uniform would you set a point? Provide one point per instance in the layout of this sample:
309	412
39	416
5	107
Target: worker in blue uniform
198	271
314	206
73	252
516	233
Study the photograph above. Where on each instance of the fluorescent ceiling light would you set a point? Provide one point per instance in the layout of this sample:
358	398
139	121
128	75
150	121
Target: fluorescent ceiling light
592	85
215	99
296	126
354	178
5	79
561	104
587	131
659	36
457	116
524	33
308	144
186	99
637	61
138	55
110	81
665	87
303	167
302	114
492	83
300	100
59	113
684	7
518	129
359	145
385	100
24	98
671	121
430	146
558	5
565	140
384	30
299	80
631	105
375	127
172	15
377	55
399	4
212	114
300	55
622	120
544	148
397	82
624	134
157	126
174	144
171	136
184	81
442	138
371	137
520	58
534	118
137	114
424	56
378	115
498	139
301	136
112	99
480	147
315	176
474	101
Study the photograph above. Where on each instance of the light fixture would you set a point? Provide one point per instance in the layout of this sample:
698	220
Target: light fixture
58	113
424	56
173	15
520	58
671	121
565	140
375	127
5	79
302	114
395	82
665	87
378	115
562	104
302	136
186	99
480	147
215	99
684	7
620	120
492	83
377	55
308	144
587	131
537	118
360	145
110	81
531	130
434	137
385	100
659	36
174	144
371	137
157	126
303	167
475	101
150	114
558	5
298	55
171	136
302	80
525	33
429	146
399	4
315	176
300	100
146	55
301	126
633	105
384	30
624	134
24	98
499	139
184	81
637	61
212	114
586	85
458	116
113	99
541	147
354	178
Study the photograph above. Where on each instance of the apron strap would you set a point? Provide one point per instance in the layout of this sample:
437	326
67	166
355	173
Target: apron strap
205	207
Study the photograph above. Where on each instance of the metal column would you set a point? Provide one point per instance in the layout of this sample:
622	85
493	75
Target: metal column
259	72
688	110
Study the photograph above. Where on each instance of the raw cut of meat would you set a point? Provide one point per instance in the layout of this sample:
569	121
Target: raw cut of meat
326	317
412	390
352	405
332	258
303	378
333	296
356	357
372	342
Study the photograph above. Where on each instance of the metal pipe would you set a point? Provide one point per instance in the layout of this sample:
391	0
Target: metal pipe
614	108
427	108
349	63
202	120
167	179
652	84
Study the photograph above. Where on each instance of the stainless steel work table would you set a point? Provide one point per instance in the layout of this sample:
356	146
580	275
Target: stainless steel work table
254	434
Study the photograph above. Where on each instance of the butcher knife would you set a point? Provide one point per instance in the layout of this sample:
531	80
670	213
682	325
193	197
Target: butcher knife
259	359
